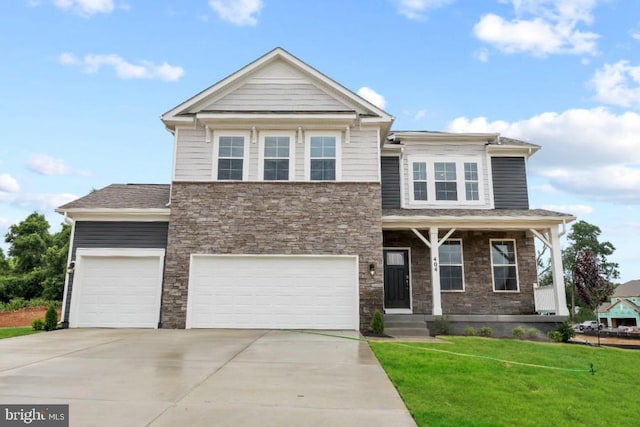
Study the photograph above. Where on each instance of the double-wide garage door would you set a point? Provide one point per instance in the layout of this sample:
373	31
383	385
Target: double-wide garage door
117	288
263	291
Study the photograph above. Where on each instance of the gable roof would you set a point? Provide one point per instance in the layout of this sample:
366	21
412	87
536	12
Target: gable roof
184	111
122	196
608	306
628	289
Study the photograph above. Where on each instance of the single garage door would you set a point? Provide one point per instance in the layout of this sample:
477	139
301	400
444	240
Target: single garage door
270	292
117	288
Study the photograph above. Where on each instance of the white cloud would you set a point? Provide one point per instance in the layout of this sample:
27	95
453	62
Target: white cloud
541	27
577	210
618	84
421	114
38	201
544	188
592	153
481	55
8	183
85	7
47	165
417	9
92	63
372	96
238	12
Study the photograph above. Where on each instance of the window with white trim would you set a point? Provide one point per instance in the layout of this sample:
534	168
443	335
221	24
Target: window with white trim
451	265
472	190
276	157
231	156
504	264
420	180
323	156
442	180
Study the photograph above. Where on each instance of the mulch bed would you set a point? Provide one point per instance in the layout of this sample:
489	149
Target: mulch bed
22	317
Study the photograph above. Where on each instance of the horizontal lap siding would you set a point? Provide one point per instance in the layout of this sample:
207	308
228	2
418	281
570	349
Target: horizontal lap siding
509	183
360	157
278	97
193	155
115	234
390	168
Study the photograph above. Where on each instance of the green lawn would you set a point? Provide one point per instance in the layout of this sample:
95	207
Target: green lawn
442	389
16	332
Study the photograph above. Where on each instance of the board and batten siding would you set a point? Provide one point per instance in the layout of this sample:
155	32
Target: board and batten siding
115	234
192	155
509	183
451	152
390	171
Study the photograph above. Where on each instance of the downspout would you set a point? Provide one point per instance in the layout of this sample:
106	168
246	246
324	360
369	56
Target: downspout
69	271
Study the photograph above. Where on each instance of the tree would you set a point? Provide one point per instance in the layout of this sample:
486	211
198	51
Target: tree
55	264
584	236
593	288
29	241
4	263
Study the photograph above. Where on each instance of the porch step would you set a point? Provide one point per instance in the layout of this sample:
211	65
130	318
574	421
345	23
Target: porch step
405	325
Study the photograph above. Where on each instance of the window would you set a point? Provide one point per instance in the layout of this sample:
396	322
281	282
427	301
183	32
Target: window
445	179
439	180
323	157
276	158
231	157
451	270
505	266
471	181
420	181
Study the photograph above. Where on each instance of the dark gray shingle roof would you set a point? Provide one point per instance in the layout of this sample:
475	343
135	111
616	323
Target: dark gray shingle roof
628	289
123	196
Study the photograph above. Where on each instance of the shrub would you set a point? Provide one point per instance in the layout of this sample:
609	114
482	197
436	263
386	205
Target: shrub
38	325
377	323
51	318
554	336
518	332
16	304
533	334
442	325
562	333
470	331
486	331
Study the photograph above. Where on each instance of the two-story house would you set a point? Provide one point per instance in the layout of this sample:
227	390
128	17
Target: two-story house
293	205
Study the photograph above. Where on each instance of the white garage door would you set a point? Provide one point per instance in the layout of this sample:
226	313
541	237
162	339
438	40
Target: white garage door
117	288
269	292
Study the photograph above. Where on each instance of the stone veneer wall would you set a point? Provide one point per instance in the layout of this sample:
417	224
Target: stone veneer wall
478	297
331	218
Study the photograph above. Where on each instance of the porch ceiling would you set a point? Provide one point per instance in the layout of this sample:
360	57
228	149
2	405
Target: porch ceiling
487	219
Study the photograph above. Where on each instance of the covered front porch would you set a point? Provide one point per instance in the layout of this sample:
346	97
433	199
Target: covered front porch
473	265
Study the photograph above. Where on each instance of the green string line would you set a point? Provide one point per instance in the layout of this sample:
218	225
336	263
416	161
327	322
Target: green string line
493	359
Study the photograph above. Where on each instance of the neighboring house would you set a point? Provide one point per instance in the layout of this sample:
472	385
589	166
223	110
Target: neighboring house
624	306
293	205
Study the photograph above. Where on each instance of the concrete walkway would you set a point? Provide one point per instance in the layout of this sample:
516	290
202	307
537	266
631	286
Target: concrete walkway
201	378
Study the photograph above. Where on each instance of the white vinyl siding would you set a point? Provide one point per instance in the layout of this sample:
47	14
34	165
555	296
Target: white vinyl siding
192	155
458	153
360	157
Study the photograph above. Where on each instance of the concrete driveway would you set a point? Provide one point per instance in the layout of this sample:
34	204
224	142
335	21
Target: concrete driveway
201	378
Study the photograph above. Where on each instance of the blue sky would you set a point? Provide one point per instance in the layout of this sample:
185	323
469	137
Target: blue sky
83	84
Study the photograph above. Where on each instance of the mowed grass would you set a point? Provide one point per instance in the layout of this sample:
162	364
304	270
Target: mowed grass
16	332
443	389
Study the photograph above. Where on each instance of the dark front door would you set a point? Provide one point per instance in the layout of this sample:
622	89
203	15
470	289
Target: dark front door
396	278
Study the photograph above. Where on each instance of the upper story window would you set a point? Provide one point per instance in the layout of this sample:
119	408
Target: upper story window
451	265
504	265
276	154
434	180
323	150
231	158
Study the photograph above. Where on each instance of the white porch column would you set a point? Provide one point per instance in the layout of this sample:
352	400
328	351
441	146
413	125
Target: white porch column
435	272
557	273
